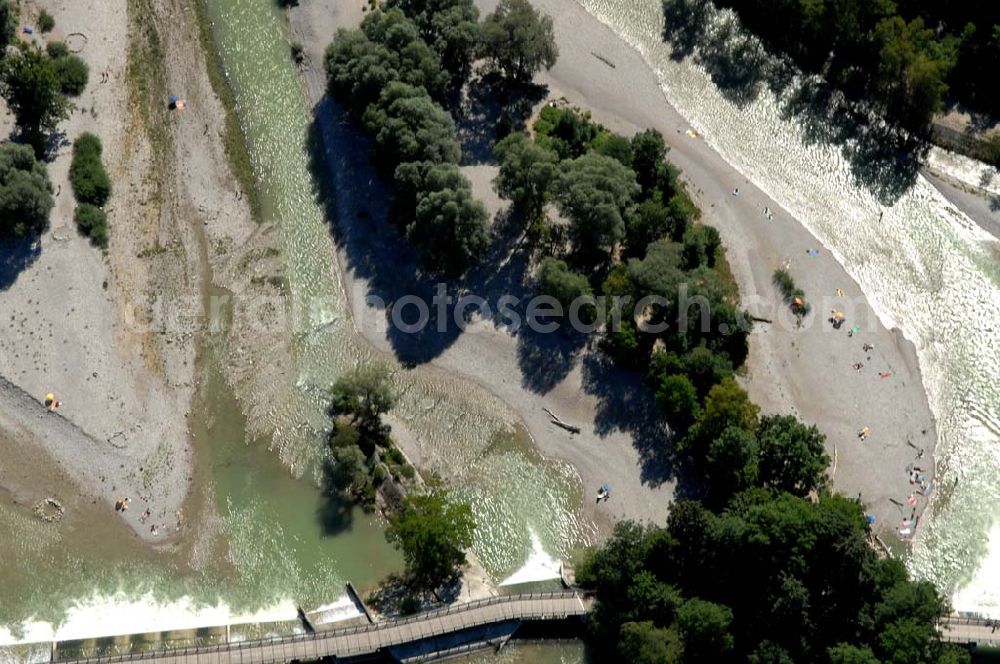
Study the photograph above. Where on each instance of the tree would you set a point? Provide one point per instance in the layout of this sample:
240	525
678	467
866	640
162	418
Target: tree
450	27
845	653
45	22
677	398
416	62
409	126
594	191
912	70
30	83
449	230
704	629
90	181
649	160
25	192
358	69
441	218
527	173
518	40
726	405
645	643
8	24
731	463
645	223
363	395
566	131
700	245
792	456
769	653
555	279
432	532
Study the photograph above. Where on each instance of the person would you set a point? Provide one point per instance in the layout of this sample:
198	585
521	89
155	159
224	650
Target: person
858	366
736	191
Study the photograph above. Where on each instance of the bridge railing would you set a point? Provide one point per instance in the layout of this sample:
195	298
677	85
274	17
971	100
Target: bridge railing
163	650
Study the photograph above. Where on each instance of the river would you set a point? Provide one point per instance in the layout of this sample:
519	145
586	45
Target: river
926	268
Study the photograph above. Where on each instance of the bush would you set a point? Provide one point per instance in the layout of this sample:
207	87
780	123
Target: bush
90	181
793	296
25	192
57	50
92	222
73	74
8	23
45	22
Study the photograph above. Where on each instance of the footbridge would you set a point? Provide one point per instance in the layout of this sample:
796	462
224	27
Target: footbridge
970	630
368	639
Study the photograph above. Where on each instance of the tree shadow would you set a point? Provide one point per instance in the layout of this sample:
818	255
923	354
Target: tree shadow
883	159
358	208
335	512
491	108
16	255
545	359
625	403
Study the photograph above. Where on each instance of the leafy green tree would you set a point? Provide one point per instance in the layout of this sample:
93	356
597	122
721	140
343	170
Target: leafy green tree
449	230
363	395
649	160
90	181
518	40
769	653
416	62
677	398
653	599
450	27
731	463
527	173
557	280
706	368
615	146
25	192
358	69
913	67
92	222
645	223
441	218
683	213
29	81
566	131
645	643
45	22
409	126
726	405
594	192
700	244
845	653
8	24
432	532
792	456
704	629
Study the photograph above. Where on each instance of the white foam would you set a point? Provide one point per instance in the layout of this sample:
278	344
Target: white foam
540	566
982	594
968	171
111	615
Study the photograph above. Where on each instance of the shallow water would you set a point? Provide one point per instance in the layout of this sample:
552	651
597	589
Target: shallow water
926	268
464	433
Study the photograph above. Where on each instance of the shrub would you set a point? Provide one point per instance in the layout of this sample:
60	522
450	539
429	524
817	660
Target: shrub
45	21
57	50
92	222
90	181
73	74
793	296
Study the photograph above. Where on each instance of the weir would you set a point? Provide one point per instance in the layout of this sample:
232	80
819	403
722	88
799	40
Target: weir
499	616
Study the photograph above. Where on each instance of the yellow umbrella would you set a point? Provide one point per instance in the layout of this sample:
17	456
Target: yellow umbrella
49	398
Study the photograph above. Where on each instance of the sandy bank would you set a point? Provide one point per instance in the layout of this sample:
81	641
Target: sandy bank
114	334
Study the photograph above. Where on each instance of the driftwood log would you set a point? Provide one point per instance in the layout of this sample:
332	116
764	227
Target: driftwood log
559	423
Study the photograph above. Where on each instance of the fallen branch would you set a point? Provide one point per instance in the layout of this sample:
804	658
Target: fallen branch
559	423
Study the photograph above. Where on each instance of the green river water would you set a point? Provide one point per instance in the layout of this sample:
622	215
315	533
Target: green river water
269	536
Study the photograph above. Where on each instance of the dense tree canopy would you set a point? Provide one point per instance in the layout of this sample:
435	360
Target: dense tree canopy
31	84
408	126
556	280
441	218
90	181
518	40
432	531
594	191
527	172
25	192
450	27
